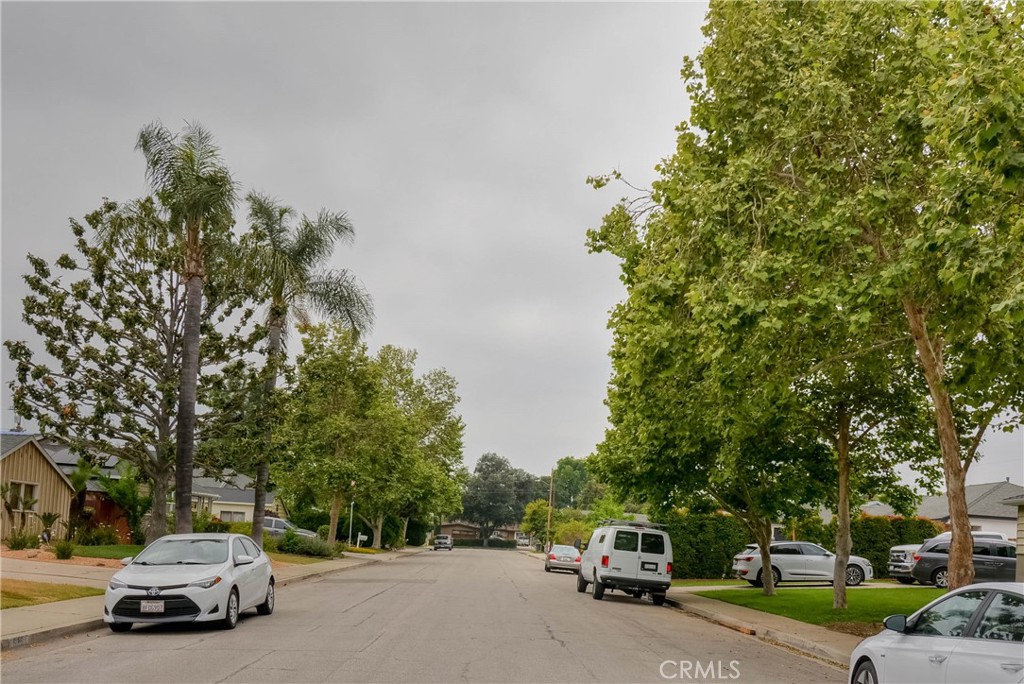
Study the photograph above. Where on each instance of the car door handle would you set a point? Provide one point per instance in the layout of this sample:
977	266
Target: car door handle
1012	667
937	658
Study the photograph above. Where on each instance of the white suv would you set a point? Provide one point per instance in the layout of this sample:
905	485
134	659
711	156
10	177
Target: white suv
635	558
798	562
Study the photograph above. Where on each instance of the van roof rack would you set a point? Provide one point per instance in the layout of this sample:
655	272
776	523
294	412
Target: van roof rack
632	523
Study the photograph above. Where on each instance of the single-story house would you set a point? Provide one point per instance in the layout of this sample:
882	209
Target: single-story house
461	529
231	499
1017	503
33	481
984	507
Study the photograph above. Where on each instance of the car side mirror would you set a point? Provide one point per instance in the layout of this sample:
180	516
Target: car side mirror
243	560
127	560
897	623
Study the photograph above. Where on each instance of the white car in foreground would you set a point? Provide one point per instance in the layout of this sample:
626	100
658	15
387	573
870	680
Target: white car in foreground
191	578
798	562
972	635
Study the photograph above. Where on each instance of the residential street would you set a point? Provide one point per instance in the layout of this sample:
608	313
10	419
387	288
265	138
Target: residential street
466	615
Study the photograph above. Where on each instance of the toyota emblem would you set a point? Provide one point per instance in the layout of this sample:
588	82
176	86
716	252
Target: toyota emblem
154	591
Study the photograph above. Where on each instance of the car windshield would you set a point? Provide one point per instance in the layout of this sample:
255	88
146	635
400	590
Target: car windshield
184	552
564	550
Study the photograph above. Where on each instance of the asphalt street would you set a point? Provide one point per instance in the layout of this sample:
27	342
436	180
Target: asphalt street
460	616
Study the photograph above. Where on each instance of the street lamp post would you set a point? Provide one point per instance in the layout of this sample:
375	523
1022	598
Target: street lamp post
351	513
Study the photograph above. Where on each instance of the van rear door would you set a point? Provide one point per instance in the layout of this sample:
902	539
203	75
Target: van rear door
625	558
655	555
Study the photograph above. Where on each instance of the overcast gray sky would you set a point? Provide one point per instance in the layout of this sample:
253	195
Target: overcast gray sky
457	137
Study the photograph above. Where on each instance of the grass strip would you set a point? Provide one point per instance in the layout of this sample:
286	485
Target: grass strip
19	593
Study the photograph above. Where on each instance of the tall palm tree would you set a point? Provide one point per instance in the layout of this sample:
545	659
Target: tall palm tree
287	265
191	182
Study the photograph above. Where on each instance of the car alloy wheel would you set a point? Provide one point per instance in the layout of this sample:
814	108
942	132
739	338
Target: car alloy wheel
231	611
940	578
854	575
865	673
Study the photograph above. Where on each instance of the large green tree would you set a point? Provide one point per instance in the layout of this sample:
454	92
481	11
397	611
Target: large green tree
490	496
286	265
197	192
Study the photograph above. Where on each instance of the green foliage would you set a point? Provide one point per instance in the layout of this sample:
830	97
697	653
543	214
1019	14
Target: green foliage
100	535
915	530
116	551
63	549
20	539
203	522
304	546
569	531
872	537
240	528
490	497
322	531
270	544
416	533
125	492
491	543
535	520
571	481
703	544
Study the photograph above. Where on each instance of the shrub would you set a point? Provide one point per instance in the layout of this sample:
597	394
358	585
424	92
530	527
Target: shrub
63	549
241	528
269	544
203	522
491	543
101	535
304	546
915	530
416	533
323	531
703	544
20	539
362	549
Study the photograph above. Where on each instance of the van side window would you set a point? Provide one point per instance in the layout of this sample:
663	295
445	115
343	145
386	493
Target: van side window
652	543
626	541
601	540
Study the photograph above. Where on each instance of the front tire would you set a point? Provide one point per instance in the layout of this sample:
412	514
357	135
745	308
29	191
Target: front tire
230	620
581	584
267	607
598	589
547	568
905	580
940	578
854	575
119	626
658	599
865	673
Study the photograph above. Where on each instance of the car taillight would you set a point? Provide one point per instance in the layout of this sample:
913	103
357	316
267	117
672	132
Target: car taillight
578	559
747	558
551	556
604	561
668	568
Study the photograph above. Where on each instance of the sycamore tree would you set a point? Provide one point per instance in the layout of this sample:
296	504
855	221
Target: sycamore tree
490	496
110	320
864	161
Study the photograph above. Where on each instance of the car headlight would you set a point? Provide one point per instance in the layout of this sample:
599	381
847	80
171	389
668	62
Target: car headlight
206	583
117	584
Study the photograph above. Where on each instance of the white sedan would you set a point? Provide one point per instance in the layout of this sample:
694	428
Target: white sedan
971	635
191	578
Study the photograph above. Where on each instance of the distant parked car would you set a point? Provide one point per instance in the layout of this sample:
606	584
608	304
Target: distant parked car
191	578
901	558
443	541
276	527
798	562
972	634
994	560
562	558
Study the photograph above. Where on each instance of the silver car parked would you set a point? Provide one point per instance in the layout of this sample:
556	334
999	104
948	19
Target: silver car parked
562	558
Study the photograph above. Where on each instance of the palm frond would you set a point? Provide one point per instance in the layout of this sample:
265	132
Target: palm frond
339	295
315	240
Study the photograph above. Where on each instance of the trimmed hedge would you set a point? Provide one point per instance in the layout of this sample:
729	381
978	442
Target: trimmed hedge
703	544
491	543
304	546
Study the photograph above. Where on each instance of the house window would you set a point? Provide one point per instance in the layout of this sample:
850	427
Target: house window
21	493
232	516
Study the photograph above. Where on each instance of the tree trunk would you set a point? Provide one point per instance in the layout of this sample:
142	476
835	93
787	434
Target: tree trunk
929	353
276	330
332	532
405	531
763	536
378	527
158	512
186	427
843	541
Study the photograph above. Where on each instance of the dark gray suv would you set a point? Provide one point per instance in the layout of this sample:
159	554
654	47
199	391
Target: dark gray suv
994	561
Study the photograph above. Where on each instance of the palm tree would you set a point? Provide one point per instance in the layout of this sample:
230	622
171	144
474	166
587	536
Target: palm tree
287	265
191	182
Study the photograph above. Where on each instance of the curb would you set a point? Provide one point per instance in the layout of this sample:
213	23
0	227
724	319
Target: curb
767	634
91	624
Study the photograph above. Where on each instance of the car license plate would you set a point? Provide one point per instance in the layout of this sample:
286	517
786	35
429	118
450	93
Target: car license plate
652	567
151	606
565	559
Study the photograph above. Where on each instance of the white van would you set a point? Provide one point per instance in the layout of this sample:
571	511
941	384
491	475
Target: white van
633	557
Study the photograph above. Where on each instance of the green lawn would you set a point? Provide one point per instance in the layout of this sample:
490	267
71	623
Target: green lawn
866	608
17	593
117	551
708	583
292	558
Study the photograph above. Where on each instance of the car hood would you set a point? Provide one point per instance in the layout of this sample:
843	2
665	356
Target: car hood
860	559
166	575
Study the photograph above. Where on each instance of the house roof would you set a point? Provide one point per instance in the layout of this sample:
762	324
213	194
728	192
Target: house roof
236	489
9	442
1014	501
983	501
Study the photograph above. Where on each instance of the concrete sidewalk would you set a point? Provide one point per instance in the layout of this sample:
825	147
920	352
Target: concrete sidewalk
818	642
35	624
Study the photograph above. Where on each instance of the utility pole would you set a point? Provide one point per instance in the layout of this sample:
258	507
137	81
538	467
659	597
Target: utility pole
551	507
